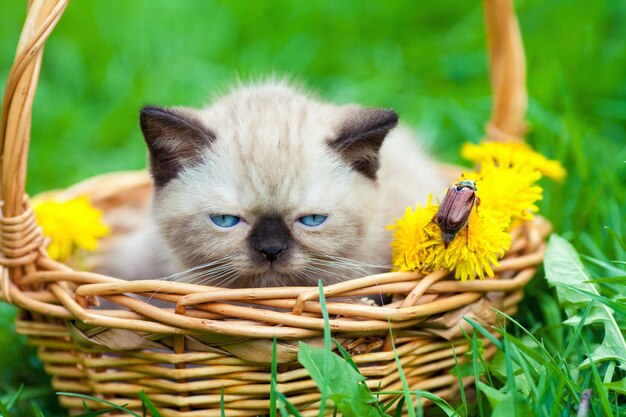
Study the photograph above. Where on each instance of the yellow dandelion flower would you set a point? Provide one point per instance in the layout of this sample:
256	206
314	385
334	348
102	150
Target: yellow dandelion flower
418	246
513	153
476	248
69	225
512	190
410	243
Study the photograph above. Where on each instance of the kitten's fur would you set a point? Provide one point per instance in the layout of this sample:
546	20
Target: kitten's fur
270	154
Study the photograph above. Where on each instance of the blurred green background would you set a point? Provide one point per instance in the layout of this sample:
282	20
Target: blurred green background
426	59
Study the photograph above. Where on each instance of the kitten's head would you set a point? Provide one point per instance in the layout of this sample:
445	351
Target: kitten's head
267	187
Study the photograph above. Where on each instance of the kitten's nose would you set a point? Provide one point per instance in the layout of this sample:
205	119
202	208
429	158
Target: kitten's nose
271	253
270	237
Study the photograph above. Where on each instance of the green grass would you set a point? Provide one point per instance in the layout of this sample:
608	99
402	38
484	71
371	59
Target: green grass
425	59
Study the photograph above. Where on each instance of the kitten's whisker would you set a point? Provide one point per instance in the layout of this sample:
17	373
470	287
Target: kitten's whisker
355	262
212	266
215	280
338	267
226	280
211	274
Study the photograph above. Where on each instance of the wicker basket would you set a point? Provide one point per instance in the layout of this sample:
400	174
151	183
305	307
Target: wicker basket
207	339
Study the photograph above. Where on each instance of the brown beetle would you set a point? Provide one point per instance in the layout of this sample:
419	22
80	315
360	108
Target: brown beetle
455	209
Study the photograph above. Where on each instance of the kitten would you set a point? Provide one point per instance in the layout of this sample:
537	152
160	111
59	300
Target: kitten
270	187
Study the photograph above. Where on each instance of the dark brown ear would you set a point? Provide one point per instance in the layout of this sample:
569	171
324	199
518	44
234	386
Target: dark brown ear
175	139
361	137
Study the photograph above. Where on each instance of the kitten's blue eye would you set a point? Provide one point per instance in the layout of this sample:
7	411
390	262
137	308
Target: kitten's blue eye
224	220
313	219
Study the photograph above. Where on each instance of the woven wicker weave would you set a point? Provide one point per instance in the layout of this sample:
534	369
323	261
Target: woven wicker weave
205	339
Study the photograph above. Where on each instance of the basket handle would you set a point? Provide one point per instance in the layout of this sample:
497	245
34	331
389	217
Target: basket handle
17	102
507	65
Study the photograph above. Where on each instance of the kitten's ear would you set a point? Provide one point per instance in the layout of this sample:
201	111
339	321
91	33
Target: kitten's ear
175	139
361	136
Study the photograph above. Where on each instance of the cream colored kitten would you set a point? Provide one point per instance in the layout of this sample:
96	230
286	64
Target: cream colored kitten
270	187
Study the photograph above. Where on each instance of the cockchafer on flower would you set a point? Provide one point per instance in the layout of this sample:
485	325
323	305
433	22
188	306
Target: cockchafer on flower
455	209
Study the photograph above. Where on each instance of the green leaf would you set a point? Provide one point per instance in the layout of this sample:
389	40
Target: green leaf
512	405
565	271
498	368
494	396
618	386
344	386
346	356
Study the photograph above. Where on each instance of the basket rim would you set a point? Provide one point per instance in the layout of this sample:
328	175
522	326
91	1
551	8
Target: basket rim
71	295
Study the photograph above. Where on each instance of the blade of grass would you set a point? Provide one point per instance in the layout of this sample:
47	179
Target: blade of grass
616	237
605	265
273	387
510	374
618	307
419	407
599	387
99	413
326	364
608	280
391	402
608	374
15	397
476	368
222	403
148	403
547	363
405	385
345	355
573	341
438	401
4	412
539	357
460	377
485	333
399	407
100	400
281	405
290	407
37	411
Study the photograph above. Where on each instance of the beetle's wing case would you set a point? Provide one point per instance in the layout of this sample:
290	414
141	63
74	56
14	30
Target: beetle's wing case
444	207
460	209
